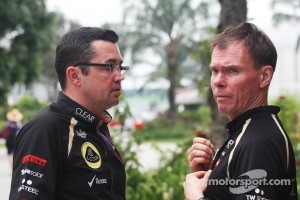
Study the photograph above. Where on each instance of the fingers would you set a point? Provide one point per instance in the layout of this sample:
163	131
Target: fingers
207	174
200	151
199	163
198	174
195	184
205	179
200	154
201	144
203	141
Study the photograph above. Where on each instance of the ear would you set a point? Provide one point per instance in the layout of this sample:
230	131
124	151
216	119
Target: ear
73	75
266	76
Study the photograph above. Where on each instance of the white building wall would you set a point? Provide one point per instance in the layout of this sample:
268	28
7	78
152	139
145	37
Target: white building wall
286	80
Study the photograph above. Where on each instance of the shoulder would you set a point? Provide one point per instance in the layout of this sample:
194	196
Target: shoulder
267	149
49	116
263	137
265	129
48	121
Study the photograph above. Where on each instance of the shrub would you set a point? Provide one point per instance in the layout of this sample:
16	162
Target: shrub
29	107
163	183
289	113
290	118
184	127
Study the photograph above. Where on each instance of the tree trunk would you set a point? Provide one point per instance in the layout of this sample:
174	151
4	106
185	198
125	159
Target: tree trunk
172	62
232	12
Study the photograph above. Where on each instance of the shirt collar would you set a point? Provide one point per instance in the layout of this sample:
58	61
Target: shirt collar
80	113
239	121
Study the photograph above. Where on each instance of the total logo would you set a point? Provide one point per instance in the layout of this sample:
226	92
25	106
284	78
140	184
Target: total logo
97	181
32	173
26	185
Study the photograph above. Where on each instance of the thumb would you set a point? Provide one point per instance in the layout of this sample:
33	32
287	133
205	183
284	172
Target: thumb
207	174
200	174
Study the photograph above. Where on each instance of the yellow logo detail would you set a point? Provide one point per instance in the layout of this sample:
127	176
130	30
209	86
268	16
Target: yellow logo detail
91	155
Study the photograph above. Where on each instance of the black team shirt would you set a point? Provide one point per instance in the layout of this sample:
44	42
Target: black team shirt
257	161
66	153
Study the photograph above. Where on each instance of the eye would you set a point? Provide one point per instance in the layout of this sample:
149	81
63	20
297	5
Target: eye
232	70
109	67
213	70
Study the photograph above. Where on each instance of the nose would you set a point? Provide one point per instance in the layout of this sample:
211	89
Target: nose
218	80
119	76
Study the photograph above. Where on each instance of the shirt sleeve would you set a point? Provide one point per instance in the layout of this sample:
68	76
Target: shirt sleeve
37	160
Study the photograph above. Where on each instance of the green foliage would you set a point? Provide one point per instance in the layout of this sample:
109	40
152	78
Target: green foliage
185	126
169	177
28	31
289	113
169	30
29	107
122	111
290	118
164	182
204	118
162	129
2	117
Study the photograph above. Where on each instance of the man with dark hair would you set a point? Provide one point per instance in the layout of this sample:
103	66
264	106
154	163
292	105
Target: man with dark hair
257	160
65	151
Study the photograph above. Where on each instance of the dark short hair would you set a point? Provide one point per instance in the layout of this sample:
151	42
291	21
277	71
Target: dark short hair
75	47
259	45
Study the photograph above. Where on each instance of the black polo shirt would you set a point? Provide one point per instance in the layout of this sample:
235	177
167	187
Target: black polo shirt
66	153
257	161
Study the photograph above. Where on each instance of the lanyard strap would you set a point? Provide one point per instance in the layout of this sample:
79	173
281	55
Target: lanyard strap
110	145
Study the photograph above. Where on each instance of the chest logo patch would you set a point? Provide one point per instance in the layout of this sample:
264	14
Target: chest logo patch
91	155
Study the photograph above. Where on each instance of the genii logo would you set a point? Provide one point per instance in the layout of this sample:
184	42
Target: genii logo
91	155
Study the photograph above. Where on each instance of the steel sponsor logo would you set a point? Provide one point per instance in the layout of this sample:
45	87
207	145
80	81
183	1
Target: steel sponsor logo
26	185
32	173
34	159
97	181
91	155
84	115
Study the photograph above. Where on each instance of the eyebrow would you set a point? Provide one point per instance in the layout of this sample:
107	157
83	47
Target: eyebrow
212	67
225	66
113	61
